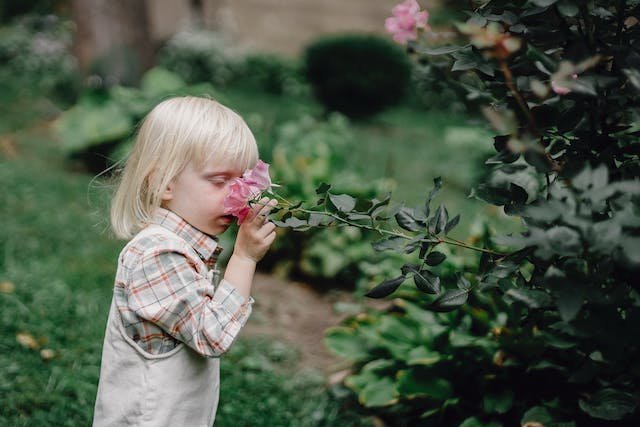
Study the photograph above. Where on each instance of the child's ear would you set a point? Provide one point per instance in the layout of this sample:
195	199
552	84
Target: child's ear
168	193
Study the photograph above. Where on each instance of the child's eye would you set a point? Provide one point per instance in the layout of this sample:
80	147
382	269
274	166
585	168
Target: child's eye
219	180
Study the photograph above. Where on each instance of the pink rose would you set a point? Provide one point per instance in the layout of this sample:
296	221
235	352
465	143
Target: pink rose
236	202
245	189
258	176
406	18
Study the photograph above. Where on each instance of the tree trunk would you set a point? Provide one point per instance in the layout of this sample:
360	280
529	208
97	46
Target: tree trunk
113	39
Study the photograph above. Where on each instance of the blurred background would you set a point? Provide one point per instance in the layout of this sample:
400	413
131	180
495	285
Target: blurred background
330	98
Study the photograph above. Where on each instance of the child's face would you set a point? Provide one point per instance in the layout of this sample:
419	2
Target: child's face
198	196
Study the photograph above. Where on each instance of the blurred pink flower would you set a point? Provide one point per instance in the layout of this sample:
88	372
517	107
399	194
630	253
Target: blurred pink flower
559	89
258	176
406	19
245	189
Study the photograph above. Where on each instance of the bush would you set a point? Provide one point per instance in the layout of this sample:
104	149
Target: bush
35	56
271	74
546	319
98	129
198	56
357	75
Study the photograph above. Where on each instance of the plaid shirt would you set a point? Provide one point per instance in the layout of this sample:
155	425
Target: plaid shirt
164	293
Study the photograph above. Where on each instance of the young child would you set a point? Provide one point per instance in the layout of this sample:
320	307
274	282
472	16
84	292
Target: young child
169	319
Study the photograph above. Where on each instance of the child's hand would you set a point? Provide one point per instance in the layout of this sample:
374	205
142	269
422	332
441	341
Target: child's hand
256	234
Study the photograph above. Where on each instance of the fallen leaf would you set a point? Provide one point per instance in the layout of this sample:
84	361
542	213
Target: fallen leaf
8	147
7	287
27	341
48	354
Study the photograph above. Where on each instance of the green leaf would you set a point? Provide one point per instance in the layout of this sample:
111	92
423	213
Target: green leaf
439	220
427	282
537	414
437	184
379	205
346	342
422	356
89	123
569	301
343	202
568	8
450	300
609	404
544	3
411	385
393	243
315	219
291	222
498	403
323	188
379	393
530	297
442	50
564	240
159	81
451	224
407	221
385	288
435	258
633	76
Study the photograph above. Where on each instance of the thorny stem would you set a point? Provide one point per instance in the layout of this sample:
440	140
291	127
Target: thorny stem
432	238
508	78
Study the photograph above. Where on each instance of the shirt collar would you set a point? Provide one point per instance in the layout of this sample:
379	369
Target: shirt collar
207	246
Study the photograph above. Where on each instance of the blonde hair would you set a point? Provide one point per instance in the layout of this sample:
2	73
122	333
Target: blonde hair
177	131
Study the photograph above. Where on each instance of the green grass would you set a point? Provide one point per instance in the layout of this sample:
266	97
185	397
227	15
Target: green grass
55	251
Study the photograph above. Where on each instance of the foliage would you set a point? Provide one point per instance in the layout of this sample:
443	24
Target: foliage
357	75
35	56
271	74
198	56
96	128
306	153
562	82
431	91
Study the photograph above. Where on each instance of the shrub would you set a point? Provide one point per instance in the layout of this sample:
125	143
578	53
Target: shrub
357	75
97	130
198	56
271	74
35	55
544	334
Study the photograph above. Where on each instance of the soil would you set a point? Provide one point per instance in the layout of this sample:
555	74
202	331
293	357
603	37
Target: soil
295	314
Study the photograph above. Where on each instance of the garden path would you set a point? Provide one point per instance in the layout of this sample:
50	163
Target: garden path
295	314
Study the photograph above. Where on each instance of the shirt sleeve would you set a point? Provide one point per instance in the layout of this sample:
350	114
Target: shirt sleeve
167	289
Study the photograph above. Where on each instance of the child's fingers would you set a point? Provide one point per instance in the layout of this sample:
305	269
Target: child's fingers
262	208
266	229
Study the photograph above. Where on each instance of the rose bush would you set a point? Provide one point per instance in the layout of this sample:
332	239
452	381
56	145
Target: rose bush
554	309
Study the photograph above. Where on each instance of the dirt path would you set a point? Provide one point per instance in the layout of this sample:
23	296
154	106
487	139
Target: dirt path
295	314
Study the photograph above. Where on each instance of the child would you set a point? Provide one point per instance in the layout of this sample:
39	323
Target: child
169	319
